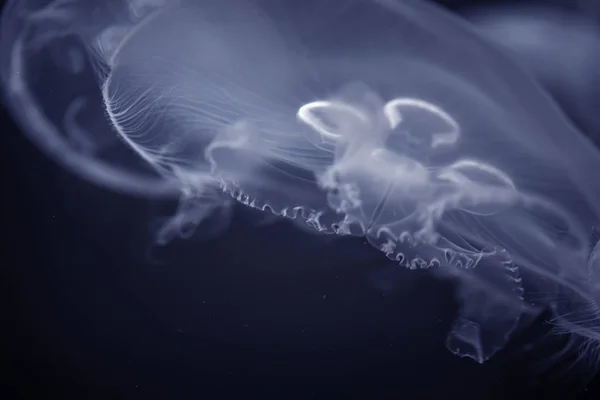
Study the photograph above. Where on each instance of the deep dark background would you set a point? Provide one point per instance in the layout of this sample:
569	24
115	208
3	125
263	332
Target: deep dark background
92	312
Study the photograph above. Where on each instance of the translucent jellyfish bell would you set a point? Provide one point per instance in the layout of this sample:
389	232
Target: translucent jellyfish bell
391	120
50	85
561	47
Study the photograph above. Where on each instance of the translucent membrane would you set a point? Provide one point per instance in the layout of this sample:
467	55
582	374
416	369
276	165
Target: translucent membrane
561	48
390	120
50	85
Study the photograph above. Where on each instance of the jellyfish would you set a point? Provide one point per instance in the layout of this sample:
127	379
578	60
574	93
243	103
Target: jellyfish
389	120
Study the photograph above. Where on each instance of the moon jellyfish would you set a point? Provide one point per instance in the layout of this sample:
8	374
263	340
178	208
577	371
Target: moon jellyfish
50	85
389	120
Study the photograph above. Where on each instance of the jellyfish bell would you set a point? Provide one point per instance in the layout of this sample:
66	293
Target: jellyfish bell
412	132
49	85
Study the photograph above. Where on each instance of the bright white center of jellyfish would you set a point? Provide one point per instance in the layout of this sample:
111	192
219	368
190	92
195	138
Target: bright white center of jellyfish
363	137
